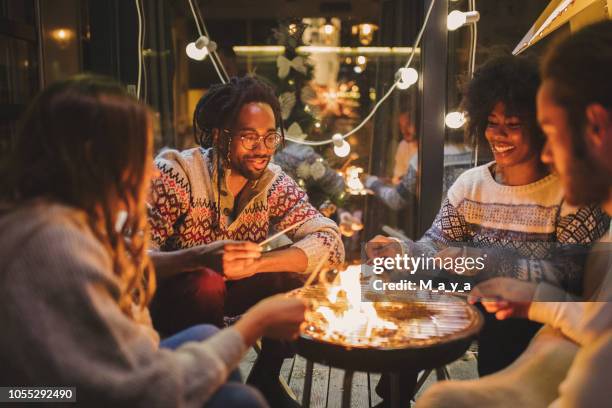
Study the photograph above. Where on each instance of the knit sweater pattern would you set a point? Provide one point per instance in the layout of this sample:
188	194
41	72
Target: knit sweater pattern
187	209
525	224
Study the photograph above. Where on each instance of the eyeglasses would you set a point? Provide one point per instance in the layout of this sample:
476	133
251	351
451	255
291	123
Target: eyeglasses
250	139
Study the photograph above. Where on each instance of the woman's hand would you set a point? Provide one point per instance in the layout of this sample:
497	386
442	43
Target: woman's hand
277	317
515	296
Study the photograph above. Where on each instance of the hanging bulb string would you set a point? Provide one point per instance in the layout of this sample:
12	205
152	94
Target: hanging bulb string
474	42
140	44
417	41
212	59
195	17
472	67
214	53
385	96
203	31
144	61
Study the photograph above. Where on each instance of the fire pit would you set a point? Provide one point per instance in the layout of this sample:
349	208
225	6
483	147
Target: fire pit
417	332
426	333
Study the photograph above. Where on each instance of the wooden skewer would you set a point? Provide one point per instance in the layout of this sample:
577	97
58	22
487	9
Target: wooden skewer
315	272
467	295
278	234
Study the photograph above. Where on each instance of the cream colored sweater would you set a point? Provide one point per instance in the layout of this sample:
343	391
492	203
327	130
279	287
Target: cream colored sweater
589	324
61	324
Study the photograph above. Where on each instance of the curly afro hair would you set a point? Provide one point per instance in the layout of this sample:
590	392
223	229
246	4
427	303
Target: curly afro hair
511	80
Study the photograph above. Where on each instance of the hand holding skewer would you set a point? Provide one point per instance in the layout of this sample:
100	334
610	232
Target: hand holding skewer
277	317
383	247
511	297
232	259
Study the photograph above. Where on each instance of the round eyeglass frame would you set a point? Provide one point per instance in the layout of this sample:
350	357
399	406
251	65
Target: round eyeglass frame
278	140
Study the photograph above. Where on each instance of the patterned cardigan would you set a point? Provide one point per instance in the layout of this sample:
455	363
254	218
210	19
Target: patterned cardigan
529	232
184	209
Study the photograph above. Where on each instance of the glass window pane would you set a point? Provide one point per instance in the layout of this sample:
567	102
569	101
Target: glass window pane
18	71
17	10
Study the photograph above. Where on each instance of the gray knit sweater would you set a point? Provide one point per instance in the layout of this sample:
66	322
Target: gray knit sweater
61	324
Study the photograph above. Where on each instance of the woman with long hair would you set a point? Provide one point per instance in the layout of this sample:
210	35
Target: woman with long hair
75	278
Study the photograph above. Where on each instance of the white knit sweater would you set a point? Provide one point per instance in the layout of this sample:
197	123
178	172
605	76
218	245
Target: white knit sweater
61	324
519	226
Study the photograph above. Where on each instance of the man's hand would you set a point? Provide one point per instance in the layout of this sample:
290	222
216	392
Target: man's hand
515	296
234	259
383	247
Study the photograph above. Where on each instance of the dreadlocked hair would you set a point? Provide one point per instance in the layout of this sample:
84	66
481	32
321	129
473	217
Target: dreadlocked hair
216	115
219	108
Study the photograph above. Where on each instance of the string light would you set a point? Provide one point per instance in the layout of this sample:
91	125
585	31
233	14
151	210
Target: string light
341	146
458	18
199	49
195	11
407	77
140	47
454	120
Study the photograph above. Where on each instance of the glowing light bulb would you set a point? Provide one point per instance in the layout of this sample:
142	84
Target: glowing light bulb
195	53
454	120
199	49
455	20
408	77
341	146
357	69
458	19
361	60
328	29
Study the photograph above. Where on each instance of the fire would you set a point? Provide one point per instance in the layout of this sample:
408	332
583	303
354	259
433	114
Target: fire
349	318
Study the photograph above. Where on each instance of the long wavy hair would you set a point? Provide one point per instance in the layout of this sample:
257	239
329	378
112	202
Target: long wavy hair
84	142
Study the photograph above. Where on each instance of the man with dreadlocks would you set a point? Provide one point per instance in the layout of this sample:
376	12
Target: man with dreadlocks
211	205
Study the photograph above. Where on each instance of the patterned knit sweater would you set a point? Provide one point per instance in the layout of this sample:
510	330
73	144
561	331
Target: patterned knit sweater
525	224
186	209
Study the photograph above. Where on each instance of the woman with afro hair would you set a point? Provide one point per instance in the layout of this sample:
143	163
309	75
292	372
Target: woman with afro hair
511	208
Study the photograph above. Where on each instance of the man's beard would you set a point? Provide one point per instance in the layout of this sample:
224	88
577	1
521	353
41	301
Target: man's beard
241	167
587	182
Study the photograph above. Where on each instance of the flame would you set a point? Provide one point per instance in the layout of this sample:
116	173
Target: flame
358	319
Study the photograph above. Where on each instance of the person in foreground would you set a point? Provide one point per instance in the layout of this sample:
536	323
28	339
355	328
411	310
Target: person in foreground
75	278
568	363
